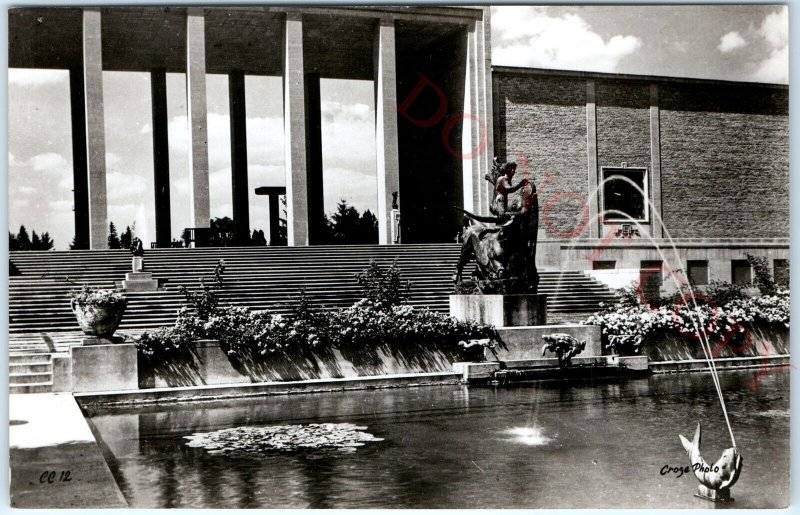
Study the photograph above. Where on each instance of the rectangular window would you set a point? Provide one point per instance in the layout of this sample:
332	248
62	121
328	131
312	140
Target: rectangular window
741	272
622	194
697	271
650	280
780	271
604	265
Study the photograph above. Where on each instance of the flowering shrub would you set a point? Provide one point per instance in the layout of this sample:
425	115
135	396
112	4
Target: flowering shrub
206	301
163	344
101	298
367	324
242	331
689	318
383	288
381	318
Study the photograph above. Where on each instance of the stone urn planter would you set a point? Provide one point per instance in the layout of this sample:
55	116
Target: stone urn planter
99	312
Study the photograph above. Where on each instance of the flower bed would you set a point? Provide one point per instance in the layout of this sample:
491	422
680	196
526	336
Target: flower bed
696	318
381	321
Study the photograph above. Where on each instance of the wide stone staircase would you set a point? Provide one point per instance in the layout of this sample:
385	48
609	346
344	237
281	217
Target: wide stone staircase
41	323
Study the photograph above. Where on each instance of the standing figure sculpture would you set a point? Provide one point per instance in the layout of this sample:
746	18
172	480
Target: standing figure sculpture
503	245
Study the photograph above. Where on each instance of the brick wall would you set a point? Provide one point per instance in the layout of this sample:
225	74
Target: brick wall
542	121
623	123
724	161
724	148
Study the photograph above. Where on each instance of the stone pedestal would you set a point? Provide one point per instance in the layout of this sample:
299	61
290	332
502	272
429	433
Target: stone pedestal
500	310
98	368
395	226
709	494
526	342
137	264
139	281
88	341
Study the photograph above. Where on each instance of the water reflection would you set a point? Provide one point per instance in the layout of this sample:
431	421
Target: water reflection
557	444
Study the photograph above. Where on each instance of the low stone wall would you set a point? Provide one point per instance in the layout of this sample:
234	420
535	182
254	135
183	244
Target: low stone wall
758	340
210	365
526	342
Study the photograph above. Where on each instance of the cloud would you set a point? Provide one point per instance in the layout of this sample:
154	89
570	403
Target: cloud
112	160
730	42
775	28
27	190
681	46
774	68
346	112
146	129
528	36
50	162
60	205
124	186
358	189
29	78
775	32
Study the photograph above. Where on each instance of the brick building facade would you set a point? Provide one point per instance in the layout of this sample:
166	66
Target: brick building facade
711	156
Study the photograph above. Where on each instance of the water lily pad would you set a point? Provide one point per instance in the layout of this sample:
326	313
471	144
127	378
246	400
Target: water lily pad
249	440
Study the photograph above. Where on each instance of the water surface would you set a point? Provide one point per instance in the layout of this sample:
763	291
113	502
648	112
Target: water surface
545	445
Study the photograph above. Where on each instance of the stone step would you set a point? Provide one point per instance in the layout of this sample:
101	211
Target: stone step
31	387
28	358
17	378
32	368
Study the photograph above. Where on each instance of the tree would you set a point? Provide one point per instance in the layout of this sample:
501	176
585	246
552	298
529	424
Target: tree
368	227
223	232
113	239
46	242
347	227
258	238
23	240
126	238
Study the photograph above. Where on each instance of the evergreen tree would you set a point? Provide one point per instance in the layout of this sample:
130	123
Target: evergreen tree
126	238
347	227
223	233
369	228
46	242
113	239
258	238
23	240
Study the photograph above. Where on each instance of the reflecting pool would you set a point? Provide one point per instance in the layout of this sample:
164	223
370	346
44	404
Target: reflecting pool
544	445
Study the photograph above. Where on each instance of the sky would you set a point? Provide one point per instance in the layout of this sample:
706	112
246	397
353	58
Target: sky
744	43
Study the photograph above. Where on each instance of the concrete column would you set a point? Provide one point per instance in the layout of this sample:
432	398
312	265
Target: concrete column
469	129
483	69
655	164
158	98
595	229
238	117
386	137
295	131
314	179
95	128
198	120
274	216
80	178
